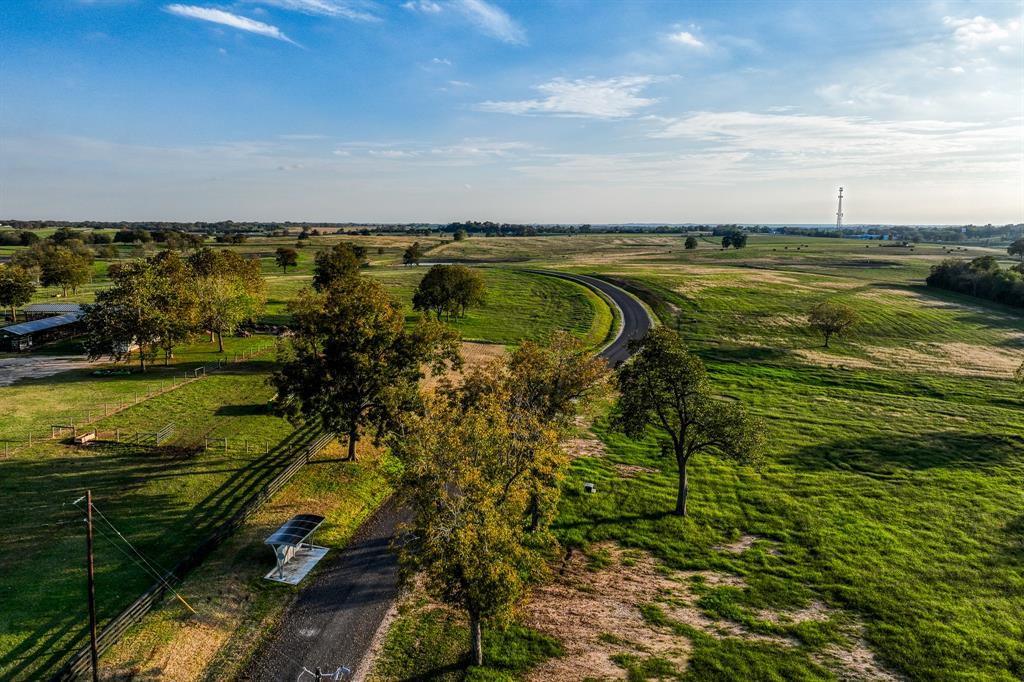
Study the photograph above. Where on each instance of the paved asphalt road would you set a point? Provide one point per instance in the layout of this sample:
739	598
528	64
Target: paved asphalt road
335	617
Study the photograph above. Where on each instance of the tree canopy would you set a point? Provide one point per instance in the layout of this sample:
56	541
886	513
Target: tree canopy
413	254
16	288
665	387
449	290
690	243
286	257
335	264
231	288
831	318
352	364
67	267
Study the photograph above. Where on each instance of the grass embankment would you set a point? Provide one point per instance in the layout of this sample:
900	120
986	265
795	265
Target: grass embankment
882	536
165	500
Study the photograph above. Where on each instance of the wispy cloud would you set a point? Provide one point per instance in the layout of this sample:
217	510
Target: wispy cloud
241	23
491	20
441	61
357	11
425	6
586	97
685	38
857	144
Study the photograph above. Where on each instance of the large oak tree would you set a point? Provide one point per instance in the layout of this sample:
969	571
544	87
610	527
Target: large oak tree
352	364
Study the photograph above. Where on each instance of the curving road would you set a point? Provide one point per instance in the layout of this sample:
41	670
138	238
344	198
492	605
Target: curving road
335	617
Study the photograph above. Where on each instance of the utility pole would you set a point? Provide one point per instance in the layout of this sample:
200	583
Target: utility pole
839	213
93	651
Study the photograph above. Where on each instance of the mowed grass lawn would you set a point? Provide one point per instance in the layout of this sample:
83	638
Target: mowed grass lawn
165	500
893	493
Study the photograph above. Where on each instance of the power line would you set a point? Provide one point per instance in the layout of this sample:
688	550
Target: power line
152	569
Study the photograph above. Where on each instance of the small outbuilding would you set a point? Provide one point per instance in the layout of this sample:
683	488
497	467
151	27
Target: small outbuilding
294	550
26	335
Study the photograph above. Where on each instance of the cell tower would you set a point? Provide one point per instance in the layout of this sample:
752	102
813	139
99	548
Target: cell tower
839	213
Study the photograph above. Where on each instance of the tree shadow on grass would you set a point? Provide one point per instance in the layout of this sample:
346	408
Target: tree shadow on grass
891	455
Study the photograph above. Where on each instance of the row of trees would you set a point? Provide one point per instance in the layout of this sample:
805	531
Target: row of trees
981	277
158	303
735	239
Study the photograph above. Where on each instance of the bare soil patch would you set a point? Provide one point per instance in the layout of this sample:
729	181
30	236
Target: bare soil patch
596	615
584	447
634	470
745	542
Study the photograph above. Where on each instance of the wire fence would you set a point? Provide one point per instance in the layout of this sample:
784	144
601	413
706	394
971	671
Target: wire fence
72	424
81	663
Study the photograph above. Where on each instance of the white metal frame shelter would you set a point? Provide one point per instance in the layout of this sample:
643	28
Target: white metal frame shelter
294	550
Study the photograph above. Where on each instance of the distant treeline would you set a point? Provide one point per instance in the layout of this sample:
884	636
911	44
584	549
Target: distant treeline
961	234
981	277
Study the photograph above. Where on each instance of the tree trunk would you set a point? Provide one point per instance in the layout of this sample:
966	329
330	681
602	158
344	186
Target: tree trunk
476	643
827	335
220	342
14	314
353	438
534	513
142	359
684	487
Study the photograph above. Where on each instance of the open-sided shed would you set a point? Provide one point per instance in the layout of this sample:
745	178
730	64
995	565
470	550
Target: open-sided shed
292	543
25	335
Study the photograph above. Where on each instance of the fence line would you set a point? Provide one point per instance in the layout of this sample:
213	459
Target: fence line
68	425
81	662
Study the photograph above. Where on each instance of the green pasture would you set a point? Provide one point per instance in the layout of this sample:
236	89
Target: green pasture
164	499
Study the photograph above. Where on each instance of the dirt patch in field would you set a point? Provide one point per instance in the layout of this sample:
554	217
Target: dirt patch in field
473	355
745	542
584	447
597	615
634	470
15	369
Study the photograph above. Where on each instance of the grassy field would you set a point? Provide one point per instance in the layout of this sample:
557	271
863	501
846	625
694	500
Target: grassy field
165	499
882	537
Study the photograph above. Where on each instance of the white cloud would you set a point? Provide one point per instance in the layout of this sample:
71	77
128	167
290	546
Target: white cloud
217	16
439	61
425	6
979	31
491	20
481	148
585	97
460	84
357	11
685	38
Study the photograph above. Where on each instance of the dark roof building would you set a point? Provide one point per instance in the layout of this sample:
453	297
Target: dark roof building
25	335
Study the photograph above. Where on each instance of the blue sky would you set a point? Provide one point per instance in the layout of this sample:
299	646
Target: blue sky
571	111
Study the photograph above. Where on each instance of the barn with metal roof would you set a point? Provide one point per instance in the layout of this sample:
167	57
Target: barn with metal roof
25	335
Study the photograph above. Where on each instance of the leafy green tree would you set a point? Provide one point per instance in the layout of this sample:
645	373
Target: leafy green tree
726	241
413	254
231	290
666	387
286	257
176	300
459	235
691	243
1019	374
461	479
830	318
126	315
352	364
449	290
64	268
1017	249
335	264
16	288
